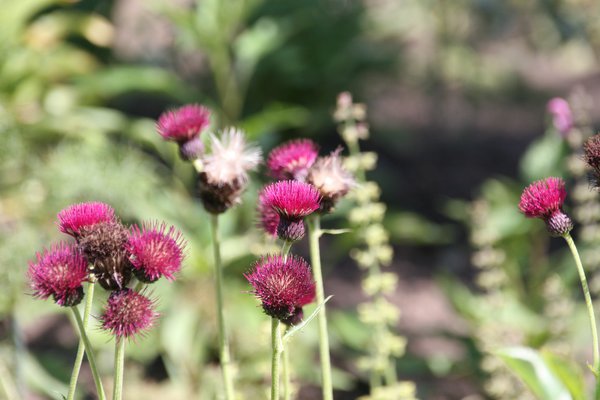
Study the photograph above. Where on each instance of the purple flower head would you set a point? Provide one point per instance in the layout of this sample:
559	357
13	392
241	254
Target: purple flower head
283	286
292	201
268	217
128	313
77	218
292	160
332	180
155	251
562	117
60	273
544	199
184	123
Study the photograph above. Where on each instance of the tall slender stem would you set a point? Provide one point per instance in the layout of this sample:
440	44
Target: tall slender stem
285	251
314	233
588	301
89	298
119	368
224	354
90	353
277	345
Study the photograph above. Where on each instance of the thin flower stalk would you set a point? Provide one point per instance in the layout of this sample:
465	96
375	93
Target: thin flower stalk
287	386
314	233
90	353
277	346
89	299
224	353
119	368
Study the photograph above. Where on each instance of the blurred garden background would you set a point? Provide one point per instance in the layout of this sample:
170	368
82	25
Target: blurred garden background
456	93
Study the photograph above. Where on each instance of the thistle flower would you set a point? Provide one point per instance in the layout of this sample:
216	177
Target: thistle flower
77	218
562	117
292	160
184	126
128	313
591	155
60	273
292	201
332	180
155	251
544	199
283	286
225	170
104	248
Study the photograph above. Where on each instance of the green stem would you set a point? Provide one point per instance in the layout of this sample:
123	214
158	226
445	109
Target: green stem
89	298
6	384
90	353
224	354
277	346
119	368
314	233
588	300
285	251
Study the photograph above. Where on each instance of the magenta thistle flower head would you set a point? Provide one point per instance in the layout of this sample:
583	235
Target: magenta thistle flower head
184	126
292	201
155	251
77	218
128	313
562	117
225	170
544	199
283	286
268	217
292	159
60	273
332	180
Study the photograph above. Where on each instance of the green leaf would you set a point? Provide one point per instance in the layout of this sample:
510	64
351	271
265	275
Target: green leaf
335	231
305	322
568	372
531	368
543	158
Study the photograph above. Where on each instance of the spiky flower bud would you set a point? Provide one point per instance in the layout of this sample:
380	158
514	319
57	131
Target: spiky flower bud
292	159
283	286
155	251
544	199
104	247
562	117
332	180
60	273
128	313
225	170
77	218
292	201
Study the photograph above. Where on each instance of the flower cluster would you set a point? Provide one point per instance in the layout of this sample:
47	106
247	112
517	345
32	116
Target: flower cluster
283	285
544	199
107	252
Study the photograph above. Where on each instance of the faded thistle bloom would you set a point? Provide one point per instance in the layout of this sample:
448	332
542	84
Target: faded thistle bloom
562	117
104	247
283	286
292	201
76	219
332	180
544	199
292	159
184	126
128	313
225	170
60	273
155	251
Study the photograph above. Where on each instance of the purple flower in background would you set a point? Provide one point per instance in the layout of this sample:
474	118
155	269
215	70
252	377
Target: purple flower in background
128	313
155	251
562	117
292	159
60	273
184	126
269	219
